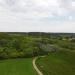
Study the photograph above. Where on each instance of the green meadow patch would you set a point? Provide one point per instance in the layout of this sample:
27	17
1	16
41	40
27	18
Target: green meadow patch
17	67
59	63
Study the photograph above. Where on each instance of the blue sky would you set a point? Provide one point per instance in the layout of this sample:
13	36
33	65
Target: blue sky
37	15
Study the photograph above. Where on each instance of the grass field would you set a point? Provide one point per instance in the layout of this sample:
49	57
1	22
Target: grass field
16	67
59	63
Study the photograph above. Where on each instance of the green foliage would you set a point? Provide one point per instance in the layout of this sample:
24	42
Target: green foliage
16	45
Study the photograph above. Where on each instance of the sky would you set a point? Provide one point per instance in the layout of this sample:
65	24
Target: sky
37	16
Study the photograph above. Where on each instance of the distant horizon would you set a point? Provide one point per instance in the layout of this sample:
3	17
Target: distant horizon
39	32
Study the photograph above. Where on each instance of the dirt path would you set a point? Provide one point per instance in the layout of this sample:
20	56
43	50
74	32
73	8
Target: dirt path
35	67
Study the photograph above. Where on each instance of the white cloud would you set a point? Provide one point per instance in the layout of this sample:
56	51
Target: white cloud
34	7
36	15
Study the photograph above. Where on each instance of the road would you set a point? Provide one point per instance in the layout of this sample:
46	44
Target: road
35	67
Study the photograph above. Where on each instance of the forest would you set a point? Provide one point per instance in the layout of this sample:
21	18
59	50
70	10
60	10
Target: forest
25	45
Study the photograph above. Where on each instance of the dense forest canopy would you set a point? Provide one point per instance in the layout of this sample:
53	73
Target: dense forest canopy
18	45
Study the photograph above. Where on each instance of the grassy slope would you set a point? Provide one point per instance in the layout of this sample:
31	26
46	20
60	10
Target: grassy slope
16	67
60	63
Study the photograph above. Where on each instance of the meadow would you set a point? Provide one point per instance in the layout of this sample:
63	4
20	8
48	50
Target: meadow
17	67
59	63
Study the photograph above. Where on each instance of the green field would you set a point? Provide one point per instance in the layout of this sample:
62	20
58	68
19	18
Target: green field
16	67
59	63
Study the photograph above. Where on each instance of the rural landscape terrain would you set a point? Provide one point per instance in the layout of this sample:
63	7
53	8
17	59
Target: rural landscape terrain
37	53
